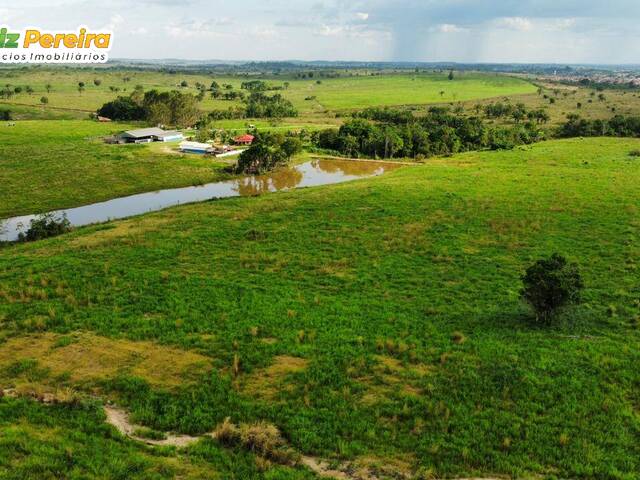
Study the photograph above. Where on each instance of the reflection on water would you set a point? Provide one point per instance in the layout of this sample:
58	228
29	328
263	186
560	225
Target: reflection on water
309	174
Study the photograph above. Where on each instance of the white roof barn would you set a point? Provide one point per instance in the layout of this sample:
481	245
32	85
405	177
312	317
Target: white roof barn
142	133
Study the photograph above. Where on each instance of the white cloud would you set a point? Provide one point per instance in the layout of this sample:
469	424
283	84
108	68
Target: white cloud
449	28
563	24
6	15
114	22
515	23
199	28
362	16
330	30
264	32
348	31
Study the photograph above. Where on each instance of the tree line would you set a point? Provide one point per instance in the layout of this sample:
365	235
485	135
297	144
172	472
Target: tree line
389	133
181	109
618	126
166	108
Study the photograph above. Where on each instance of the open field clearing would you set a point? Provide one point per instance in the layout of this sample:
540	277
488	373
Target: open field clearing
375	322
310	96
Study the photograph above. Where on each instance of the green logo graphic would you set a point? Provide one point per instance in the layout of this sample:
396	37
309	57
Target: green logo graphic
8	40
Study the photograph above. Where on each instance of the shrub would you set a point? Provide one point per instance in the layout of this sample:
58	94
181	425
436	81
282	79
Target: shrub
5	114
45	226
122	108
551	284
261	438
634	153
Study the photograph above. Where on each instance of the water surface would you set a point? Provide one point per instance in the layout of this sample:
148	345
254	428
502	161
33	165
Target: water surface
309	174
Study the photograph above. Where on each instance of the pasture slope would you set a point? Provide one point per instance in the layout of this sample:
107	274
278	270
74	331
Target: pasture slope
376	322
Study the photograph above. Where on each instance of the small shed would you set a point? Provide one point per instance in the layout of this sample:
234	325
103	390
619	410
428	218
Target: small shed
196	147
245	139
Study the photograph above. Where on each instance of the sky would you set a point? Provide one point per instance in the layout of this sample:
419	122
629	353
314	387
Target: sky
502	31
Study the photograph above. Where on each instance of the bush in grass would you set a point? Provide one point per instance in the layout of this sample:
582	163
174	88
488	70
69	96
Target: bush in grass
549	285
634	153
45	226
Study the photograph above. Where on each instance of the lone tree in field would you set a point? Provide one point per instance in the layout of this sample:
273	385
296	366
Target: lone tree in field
44	100
549	285
451	75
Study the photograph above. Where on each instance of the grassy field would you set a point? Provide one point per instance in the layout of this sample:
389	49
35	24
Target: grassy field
46	165
376	321
318	103
330	94
566	99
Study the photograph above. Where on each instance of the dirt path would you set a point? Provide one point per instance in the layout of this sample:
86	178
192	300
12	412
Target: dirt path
120	420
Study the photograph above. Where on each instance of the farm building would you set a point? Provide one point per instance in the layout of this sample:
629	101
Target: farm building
170	136
146	135
245	139
196	147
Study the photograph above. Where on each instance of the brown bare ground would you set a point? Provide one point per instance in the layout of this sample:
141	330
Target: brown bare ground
267	382
120	420
125	229
89	358
390	375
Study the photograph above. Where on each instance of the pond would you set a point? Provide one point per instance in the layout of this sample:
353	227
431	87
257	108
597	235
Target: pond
308	174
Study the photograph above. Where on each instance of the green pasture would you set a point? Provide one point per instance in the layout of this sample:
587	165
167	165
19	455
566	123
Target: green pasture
47	165
336	94
376	321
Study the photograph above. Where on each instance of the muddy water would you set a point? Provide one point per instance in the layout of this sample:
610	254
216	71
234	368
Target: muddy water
309	174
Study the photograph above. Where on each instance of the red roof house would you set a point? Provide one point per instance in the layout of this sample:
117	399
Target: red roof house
245	139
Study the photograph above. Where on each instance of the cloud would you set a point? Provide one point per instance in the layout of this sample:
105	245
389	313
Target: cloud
563	24
197	28
114	22
421	30
448	28
515	23
6	15
264	32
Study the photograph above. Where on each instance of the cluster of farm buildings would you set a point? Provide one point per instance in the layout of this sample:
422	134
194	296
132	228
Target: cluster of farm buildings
155	134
